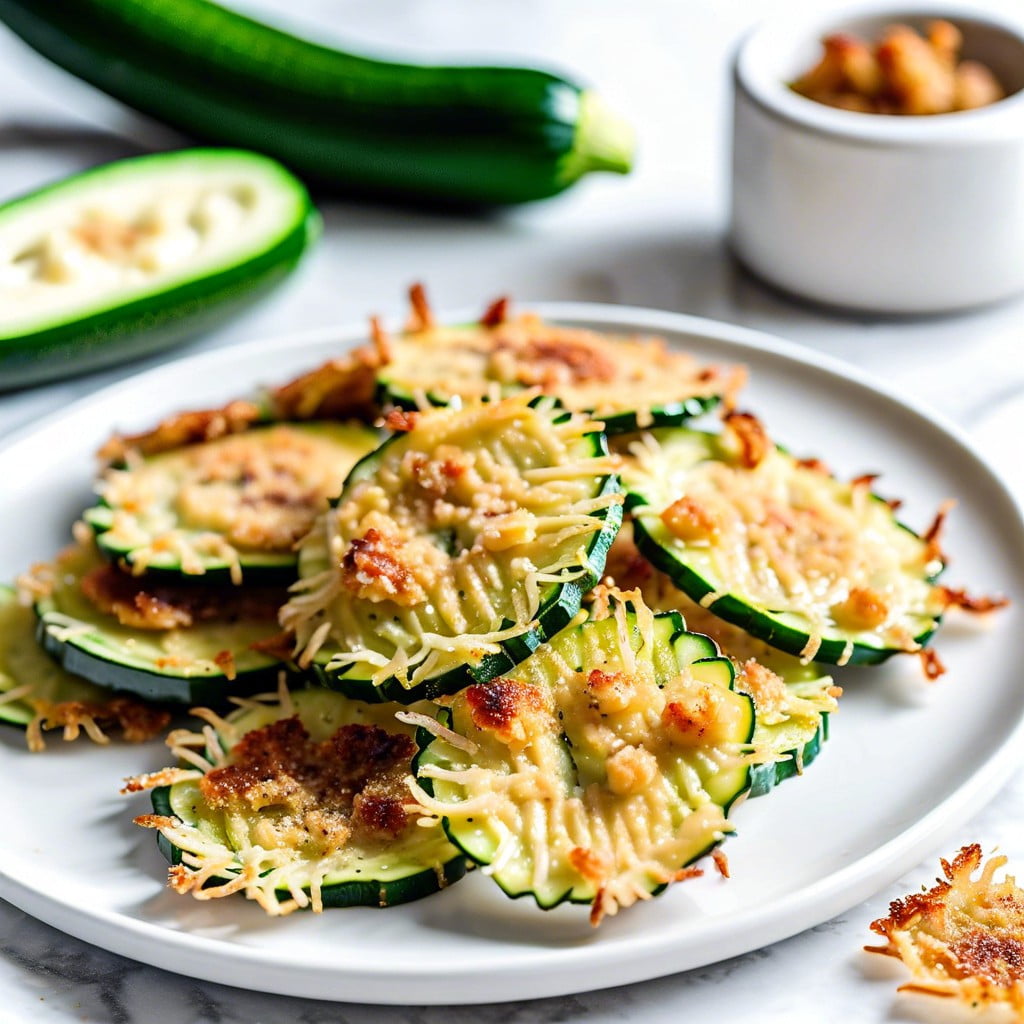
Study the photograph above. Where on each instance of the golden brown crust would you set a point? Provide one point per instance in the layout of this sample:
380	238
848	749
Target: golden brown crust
144	604
183	428
323	792
749	433
962	938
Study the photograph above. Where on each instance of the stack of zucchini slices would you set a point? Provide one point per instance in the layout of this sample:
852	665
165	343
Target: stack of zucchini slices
538	623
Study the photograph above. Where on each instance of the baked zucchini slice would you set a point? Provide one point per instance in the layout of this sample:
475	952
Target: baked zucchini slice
134	256
455	549
228	508
297	800
216	654
599	768
36	694
812	565
793	701
625	382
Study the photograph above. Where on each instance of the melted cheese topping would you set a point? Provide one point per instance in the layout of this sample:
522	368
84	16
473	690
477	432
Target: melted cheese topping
450	544
822	555
290	794
790	697
585	370
216	502
963	938
596	782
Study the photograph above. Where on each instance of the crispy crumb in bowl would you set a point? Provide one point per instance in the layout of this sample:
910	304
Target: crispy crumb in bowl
777	54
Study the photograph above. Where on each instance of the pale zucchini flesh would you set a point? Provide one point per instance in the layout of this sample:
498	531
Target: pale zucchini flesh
234	507
180	665
838	541
133	256
454	550
364	872
595	799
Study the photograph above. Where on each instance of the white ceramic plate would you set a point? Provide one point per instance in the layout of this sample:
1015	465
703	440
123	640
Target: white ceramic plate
906	765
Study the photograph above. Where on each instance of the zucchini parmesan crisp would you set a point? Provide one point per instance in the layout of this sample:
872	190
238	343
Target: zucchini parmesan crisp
964	937
810	564
599	769
296	800
459	545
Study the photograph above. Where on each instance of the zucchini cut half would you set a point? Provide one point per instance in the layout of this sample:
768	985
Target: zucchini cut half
297	801
37	694
134	256
793	701
232	507
626	382
203	662
600	768
455	549
813	566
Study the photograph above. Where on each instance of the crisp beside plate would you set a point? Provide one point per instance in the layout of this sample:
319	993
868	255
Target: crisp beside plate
907	762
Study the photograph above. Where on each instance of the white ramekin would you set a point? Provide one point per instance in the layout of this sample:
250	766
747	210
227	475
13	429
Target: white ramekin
887	214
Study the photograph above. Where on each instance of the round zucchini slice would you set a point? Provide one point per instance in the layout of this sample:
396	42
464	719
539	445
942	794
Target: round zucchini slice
599	768
793	701
201	662
455	549
816	567
297	801
233	507
624	381
135	256
37	694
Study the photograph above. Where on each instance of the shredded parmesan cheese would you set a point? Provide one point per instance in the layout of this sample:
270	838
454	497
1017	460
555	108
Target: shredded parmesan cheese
964	937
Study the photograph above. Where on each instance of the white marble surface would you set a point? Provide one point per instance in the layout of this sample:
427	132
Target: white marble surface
655	239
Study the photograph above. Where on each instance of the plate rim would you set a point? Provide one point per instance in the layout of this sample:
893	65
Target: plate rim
209	959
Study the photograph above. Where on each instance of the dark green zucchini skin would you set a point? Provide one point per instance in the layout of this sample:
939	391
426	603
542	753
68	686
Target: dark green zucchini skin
468	135
212	691
765	777
157	320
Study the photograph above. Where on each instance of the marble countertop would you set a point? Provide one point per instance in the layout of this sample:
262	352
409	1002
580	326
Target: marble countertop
655	239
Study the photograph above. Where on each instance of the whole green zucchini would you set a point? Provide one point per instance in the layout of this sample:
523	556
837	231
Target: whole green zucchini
473	135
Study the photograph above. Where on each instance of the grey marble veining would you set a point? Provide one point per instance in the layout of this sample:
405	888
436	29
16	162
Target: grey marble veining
655	239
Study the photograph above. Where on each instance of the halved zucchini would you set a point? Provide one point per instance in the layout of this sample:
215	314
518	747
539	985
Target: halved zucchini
37	694
198	663
793	701
624	381
814	566
455	548
297	800
234	506
134	256
599	768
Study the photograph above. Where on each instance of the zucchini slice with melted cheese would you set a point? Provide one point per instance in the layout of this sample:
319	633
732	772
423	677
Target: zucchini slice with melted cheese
297	800
233	506
37	694
181	644
793	701
455	549
816	567
599	768
627	382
